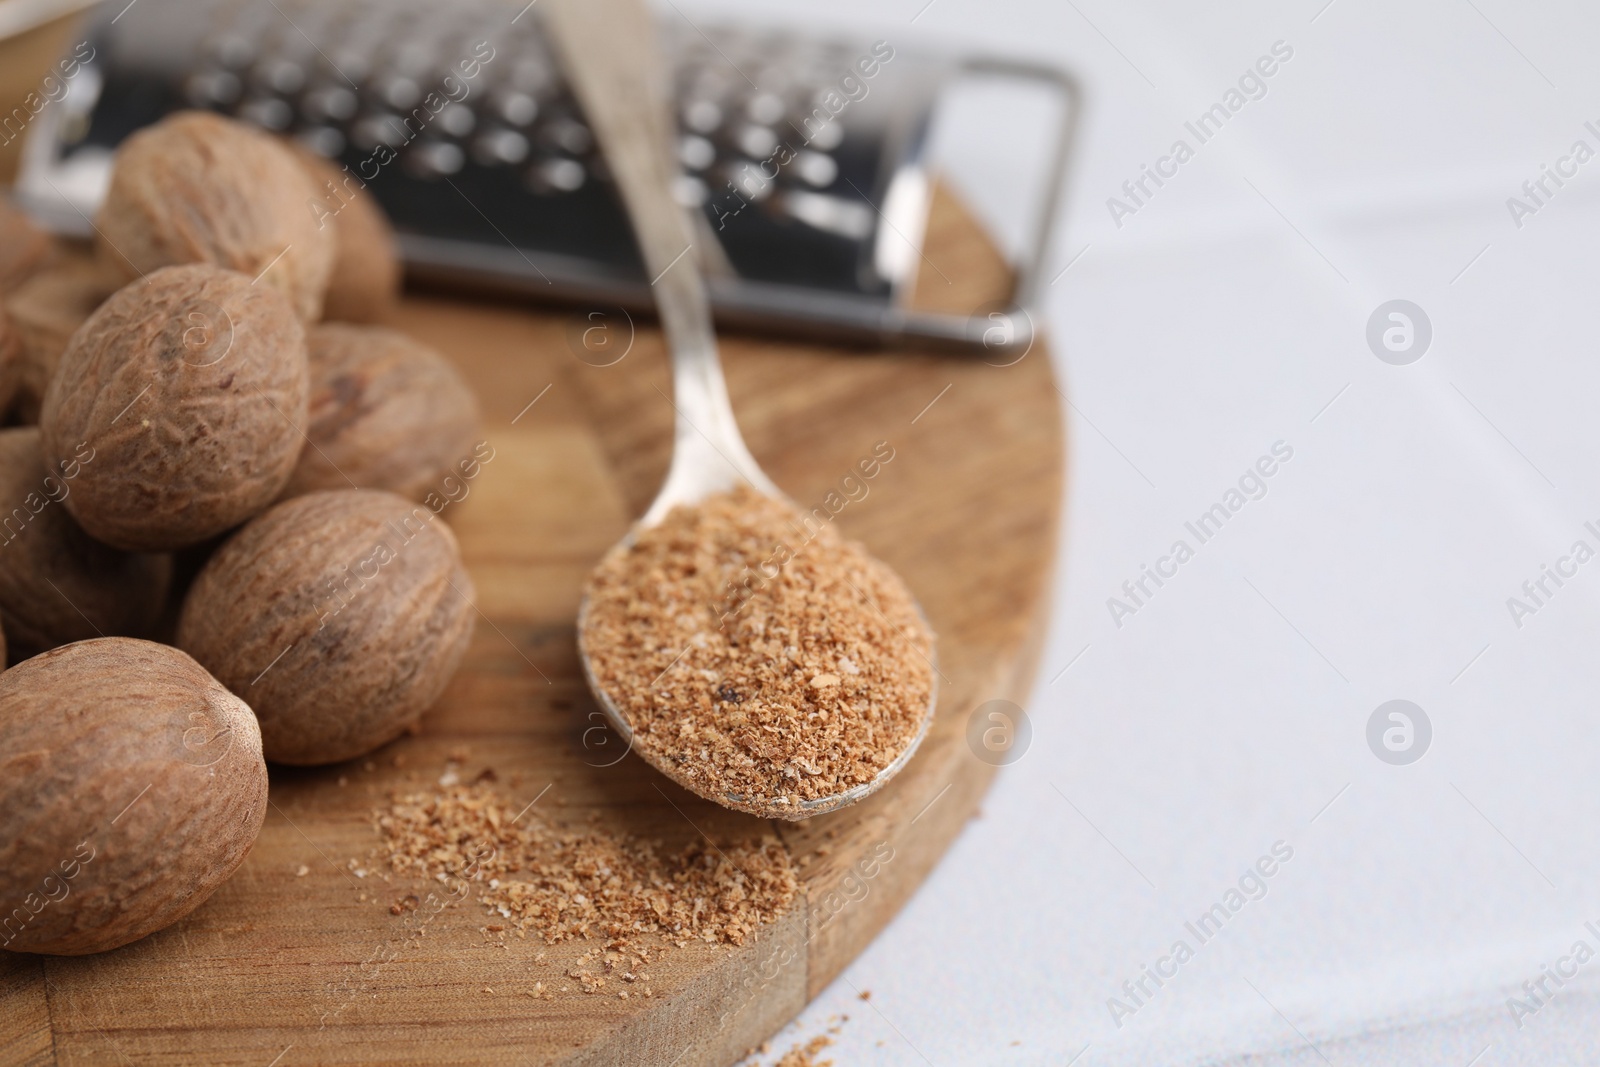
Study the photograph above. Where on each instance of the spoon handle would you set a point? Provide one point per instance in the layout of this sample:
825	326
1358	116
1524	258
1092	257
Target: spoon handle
615	68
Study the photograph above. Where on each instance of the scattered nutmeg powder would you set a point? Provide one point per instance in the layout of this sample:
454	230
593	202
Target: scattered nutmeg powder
761	659
562	883
806	1055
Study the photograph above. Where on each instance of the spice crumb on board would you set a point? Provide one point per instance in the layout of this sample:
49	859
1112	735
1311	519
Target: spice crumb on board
563	883
808	686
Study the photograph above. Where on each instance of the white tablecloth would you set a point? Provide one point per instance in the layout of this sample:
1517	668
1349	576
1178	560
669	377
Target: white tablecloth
1226	313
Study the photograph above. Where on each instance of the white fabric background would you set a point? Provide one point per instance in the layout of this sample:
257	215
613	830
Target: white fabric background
1228	713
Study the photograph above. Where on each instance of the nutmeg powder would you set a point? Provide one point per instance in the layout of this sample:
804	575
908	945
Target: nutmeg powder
758	654
562	882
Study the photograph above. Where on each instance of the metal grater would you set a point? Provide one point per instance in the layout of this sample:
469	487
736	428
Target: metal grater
804	155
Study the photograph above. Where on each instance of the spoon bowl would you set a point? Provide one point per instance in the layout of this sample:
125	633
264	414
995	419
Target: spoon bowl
765	807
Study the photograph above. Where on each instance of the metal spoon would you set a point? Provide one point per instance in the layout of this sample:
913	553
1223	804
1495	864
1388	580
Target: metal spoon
615	68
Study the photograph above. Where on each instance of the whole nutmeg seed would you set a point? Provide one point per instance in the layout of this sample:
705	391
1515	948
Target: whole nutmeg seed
190	385
23	246
57	584
340	616
199	188
45	311
365	282
386	412
132	785
10	361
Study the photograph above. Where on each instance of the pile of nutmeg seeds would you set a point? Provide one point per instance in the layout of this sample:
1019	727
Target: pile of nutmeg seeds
220	531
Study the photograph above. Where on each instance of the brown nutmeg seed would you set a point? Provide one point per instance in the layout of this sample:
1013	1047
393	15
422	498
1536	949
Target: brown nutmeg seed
386	412
10	361
23	246
200	188
57	584
45	311
190	385
132	785
339	615
365	282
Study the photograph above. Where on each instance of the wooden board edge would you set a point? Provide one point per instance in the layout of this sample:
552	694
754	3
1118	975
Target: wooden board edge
752	994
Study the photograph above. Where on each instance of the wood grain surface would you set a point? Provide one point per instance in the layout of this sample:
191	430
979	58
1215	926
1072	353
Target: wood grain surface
283	968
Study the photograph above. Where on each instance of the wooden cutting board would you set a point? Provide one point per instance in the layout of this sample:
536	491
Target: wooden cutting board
283	968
